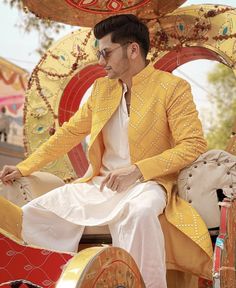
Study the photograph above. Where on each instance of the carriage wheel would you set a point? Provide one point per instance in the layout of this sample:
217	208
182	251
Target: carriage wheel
101	267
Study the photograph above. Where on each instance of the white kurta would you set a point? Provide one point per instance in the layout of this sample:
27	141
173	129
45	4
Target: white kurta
56	220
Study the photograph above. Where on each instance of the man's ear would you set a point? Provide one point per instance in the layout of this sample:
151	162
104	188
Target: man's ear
134	50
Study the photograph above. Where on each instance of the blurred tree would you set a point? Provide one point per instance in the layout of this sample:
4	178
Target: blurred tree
223	98
30	22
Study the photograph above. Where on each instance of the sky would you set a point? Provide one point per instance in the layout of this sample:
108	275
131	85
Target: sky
19	47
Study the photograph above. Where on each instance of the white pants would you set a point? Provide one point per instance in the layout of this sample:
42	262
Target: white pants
137	230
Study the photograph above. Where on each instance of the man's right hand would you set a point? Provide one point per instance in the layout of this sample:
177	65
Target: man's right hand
9	174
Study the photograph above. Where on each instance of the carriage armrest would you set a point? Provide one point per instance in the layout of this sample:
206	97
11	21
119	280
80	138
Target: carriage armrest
206	181
27	188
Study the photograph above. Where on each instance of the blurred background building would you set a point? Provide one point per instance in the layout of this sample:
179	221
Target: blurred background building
13	81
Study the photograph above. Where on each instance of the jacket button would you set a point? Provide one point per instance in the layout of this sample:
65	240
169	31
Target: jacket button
190	201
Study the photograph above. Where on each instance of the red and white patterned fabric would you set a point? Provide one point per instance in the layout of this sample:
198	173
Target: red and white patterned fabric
39	266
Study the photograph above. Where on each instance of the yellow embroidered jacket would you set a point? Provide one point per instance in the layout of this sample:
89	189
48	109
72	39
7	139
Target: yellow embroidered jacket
165	135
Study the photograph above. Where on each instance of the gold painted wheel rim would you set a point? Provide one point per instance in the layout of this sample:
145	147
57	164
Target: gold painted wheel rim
101	267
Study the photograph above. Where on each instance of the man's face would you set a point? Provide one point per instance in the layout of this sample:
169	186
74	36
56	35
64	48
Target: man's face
113	57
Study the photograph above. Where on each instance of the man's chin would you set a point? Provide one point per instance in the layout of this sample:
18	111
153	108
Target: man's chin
111	75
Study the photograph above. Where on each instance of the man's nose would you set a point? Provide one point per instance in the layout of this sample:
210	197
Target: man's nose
102	61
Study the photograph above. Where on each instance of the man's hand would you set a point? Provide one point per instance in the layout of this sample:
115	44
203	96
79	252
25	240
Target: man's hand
121	179
9	173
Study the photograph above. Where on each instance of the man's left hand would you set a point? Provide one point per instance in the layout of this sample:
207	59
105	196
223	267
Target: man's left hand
121	179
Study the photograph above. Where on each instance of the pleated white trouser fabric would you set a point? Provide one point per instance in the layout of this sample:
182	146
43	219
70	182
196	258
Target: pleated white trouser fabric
57	219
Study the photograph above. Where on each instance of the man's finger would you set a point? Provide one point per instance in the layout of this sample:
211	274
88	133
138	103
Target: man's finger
114	186
10	176
111	182
121	188
104	182
3	172
9	182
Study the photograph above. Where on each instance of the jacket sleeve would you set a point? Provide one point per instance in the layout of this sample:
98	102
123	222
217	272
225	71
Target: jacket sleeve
67	136
186	129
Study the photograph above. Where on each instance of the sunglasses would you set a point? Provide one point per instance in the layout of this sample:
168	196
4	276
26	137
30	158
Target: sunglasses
106	53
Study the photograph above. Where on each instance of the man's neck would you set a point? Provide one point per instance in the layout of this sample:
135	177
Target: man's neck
127	79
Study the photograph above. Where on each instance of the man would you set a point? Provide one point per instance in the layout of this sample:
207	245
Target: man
144	128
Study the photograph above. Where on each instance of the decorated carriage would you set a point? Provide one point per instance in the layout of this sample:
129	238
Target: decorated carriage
57	87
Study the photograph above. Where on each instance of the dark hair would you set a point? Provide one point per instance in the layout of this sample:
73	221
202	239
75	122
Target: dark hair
124	28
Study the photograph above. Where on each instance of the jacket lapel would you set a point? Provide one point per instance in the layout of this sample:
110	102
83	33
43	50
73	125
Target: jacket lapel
109	98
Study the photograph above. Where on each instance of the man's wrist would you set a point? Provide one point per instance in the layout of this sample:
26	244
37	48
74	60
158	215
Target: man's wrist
138	173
